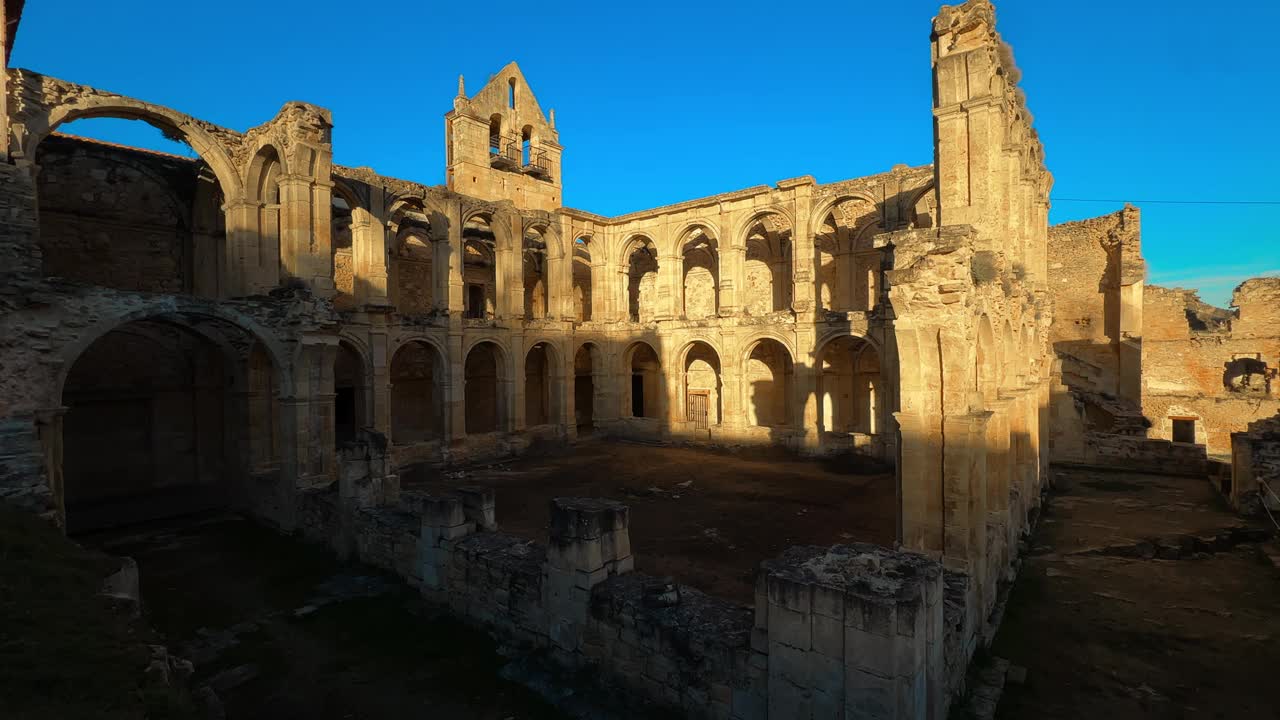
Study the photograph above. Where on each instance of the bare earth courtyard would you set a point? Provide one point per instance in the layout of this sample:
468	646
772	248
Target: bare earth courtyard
705	518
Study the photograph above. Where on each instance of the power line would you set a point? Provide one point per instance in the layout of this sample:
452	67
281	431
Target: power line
1172	202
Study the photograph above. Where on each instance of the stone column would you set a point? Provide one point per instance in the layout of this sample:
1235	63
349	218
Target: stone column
853	631
590	542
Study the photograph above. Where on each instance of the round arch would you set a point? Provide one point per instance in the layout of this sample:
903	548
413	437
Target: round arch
644	394
418	372
163	118
826	207
486	387
768	381
701	384
166	413
180	316
740	229
850	385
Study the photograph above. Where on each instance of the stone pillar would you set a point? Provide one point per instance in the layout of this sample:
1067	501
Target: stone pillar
380	372
733	281
456	302
295	227
365	479
670	303
853	631
319	247
590	542
733	396
600	296
242	267
964	481
370	258
478	507
444	522
456	406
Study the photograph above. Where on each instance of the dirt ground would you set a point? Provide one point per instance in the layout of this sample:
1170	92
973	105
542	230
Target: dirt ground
705	518
1105	630
282	631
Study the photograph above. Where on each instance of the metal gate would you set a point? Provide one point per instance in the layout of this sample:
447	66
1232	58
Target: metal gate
697	412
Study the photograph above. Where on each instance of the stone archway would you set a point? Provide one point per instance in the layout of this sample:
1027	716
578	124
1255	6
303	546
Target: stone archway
541	386
485	392
418	373
702	387
166	415
768	376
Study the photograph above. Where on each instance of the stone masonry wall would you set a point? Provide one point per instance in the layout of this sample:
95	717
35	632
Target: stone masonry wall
1208	365
852	629
1255	463
115	217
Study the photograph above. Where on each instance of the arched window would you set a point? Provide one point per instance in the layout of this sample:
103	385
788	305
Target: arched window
526	143
495	134
511	93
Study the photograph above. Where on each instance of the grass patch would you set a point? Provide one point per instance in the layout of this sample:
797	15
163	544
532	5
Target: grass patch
64	651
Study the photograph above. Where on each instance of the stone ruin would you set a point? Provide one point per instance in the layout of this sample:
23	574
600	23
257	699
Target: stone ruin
261	329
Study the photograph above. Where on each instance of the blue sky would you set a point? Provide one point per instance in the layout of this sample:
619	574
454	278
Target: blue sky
661	102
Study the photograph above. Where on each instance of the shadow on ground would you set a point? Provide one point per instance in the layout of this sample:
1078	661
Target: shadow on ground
1143	597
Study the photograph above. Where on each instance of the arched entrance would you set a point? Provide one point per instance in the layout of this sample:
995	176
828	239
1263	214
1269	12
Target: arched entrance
484	389
644	389
479	268
846	259
702	389
641	280
849	386
768	376
701	283
348	394
165	416
541	405
768	265
417	393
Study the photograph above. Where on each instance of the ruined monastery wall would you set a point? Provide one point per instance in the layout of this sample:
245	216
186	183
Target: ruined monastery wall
309	320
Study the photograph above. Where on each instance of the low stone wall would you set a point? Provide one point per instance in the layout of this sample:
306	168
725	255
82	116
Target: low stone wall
852	630
1127	452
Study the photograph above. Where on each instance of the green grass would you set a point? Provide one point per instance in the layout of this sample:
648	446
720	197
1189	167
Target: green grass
65	653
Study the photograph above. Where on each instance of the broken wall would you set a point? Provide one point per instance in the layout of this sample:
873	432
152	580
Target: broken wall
117	217
1204	366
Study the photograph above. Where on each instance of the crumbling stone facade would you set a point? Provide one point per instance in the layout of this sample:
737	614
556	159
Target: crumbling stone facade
1143	361
295	304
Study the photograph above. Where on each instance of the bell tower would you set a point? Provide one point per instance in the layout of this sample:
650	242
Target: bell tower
500	146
